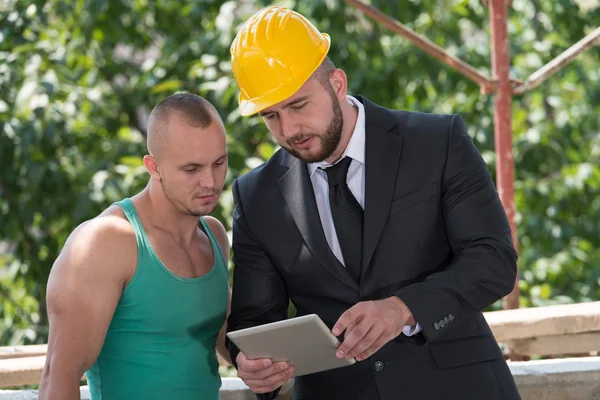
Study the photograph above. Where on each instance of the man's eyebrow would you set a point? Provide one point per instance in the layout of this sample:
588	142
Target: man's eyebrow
298	100
195	164
290	104
190	164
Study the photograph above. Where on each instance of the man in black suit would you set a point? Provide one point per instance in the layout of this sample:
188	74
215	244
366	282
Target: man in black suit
385	223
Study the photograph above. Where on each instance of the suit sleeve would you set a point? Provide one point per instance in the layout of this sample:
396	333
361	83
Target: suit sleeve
484	265
259	295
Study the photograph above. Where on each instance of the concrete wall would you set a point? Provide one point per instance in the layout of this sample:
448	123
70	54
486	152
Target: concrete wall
559	379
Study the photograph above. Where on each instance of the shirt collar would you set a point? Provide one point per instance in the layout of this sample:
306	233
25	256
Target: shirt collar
356	145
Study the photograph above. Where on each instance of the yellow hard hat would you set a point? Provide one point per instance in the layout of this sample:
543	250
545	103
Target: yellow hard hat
272	55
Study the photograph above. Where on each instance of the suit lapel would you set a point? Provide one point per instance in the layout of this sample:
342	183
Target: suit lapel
298	193
383	149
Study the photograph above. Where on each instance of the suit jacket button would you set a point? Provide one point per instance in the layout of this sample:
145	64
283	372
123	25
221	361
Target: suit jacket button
450	317
442	324
378	366
436	326
446	320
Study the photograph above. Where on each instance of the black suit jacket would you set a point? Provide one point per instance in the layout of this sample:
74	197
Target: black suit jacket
435	235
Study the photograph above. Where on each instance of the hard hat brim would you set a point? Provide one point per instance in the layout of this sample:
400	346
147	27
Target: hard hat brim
250	107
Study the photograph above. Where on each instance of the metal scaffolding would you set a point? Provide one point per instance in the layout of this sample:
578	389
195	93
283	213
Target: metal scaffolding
500	85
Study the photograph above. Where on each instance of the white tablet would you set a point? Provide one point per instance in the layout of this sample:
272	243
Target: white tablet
305	342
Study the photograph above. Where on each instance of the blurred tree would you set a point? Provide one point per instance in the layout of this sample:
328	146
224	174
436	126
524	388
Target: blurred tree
78	79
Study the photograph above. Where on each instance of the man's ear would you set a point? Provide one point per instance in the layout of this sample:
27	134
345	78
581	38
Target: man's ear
152	167
339	83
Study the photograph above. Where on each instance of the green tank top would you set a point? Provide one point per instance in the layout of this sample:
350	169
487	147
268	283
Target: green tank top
161	340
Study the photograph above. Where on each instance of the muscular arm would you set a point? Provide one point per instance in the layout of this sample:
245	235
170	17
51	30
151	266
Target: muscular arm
483	269
221	235
84	287
221	348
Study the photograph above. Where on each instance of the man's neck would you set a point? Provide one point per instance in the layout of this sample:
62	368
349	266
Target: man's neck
349	116
162	215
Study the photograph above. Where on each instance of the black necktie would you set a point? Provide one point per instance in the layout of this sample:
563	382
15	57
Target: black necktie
347	216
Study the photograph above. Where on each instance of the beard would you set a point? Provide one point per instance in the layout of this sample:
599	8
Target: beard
187	207
329	140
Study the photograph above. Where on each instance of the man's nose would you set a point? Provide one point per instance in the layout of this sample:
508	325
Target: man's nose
207	178
288	126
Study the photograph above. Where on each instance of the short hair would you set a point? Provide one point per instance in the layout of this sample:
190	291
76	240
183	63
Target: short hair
193	109
323	72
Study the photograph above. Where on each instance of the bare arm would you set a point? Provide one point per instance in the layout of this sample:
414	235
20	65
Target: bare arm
221	349
221	235
84	287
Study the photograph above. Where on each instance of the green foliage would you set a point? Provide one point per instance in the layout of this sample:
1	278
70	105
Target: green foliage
78	78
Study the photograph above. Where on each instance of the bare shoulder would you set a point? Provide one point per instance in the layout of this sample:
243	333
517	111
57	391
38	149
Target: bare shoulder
105	245
220	233
84	288
108	231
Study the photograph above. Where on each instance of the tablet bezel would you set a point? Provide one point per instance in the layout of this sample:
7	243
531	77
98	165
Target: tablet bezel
293	335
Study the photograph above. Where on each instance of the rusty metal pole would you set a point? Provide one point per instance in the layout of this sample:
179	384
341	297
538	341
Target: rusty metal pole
425	44
505	166
559	62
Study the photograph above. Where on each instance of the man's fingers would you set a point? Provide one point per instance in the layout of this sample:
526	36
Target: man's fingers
252	365
270	383
259	365
354	334
351	316
263	373
372	349
366	342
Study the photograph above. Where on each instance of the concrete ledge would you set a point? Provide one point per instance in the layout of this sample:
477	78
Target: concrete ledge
21	371
32	350
556	345
32	394
232	389
525	323
558	379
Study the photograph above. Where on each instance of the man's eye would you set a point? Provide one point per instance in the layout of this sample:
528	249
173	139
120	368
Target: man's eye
190	170
299	106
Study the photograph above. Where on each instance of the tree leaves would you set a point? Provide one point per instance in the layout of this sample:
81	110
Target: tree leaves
78	79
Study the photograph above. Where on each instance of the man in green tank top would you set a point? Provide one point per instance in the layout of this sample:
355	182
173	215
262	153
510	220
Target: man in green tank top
138	298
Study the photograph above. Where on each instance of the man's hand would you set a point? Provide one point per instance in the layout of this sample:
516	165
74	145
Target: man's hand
263	375
369	325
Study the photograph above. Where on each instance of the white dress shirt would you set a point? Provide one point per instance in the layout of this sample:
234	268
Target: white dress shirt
356	184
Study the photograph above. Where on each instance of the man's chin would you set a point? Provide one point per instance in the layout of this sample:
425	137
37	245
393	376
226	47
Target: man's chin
308	156
202	211
199	213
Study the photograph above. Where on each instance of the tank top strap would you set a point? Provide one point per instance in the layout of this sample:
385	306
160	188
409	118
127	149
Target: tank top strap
131	215
217	250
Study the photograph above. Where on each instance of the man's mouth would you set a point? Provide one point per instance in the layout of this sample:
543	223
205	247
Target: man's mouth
304	142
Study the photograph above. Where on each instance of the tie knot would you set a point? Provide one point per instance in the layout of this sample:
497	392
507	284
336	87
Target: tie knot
336	174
